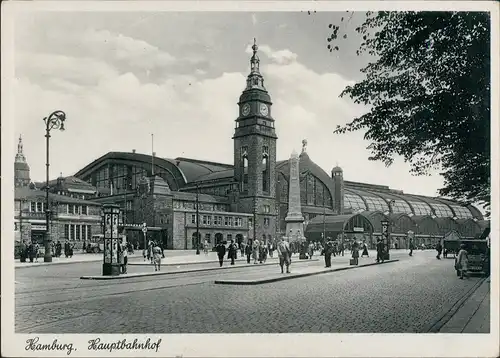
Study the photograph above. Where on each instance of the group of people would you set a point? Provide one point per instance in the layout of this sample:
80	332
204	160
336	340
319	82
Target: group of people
29	251
154	253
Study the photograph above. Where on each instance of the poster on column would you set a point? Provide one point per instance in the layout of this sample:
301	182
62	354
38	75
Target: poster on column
114	253
107	251
107	226
115	226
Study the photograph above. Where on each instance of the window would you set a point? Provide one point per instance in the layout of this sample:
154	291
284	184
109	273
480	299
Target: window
204	219
77	232
32	206
209	220
400	206
84	232
420	209
266	221
442	210
66	232
238	222
354	202
193	219
84	210
461	212
267	209
207	237
375	204
226	221
250	221
89	232
39	207
230	221
229	237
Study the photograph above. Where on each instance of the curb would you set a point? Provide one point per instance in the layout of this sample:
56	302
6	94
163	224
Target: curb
282	278
440	322
160	273
196	262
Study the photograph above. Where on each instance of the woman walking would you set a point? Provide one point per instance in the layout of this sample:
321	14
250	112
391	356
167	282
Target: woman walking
355	253
255	251
462	264
156	256
365	250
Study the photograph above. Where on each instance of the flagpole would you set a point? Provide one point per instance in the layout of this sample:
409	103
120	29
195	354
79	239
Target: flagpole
152	155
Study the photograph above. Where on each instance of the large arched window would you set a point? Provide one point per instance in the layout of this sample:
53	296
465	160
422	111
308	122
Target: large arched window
354	202
265	169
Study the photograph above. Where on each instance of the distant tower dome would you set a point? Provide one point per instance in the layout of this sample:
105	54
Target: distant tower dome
21	167
337	169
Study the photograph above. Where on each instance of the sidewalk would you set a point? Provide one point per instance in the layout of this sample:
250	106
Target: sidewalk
172	257
474	315
297	273
174	271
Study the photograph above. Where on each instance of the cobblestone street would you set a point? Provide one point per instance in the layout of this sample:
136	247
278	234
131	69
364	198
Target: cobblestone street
405	296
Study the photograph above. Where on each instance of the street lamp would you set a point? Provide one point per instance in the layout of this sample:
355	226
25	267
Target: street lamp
197	220
54	121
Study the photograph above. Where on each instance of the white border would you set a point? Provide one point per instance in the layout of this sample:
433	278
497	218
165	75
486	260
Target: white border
258	345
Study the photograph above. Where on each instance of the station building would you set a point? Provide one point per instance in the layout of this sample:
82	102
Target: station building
72	216
180	197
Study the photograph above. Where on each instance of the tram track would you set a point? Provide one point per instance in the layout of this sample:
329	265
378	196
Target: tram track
100	290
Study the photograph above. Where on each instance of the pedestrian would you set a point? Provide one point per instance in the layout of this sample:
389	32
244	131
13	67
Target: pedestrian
328	253
284	254
31	249
265	252
355	253
248	250
311	250
411	247
37	251
66	248
156	251
380	250
271	249
461	264
255	251
22	251
205	247
341	248
84	247
242	249
365	250
125	257
445	253
232	249
58	249
221	251
439	249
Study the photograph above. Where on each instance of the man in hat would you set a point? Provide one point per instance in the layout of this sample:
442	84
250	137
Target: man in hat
284	254
380	250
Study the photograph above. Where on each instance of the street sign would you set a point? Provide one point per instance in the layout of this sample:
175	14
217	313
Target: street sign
144	229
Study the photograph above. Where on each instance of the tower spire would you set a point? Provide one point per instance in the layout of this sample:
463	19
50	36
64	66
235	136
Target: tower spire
255	79
20	156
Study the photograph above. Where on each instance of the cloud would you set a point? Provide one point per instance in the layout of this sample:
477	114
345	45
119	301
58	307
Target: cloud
110	107
134	52
282	57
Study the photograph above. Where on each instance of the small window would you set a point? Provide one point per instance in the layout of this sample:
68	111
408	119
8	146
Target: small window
39	207
193	219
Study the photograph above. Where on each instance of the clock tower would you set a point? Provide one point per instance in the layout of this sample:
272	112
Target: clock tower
255	155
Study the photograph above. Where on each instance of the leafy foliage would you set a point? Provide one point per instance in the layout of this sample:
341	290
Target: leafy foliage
428	94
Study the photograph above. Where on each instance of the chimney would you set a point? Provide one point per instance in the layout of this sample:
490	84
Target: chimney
133	150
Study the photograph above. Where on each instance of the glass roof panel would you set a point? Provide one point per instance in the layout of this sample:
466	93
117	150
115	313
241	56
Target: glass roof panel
354	202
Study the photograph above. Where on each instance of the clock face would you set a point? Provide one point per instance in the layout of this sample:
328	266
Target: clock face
264	110
246	109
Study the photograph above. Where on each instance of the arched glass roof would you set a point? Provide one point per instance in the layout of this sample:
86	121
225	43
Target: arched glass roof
374	202
421	208
353	201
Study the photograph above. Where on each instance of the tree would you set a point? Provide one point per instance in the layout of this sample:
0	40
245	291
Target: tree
428	94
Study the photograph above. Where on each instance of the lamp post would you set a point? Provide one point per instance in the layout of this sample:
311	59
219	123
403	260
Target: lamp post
197	219
386	239
54	121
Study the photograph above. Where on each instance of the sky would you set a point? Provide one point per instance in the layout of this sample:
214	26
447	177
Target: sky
121	76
